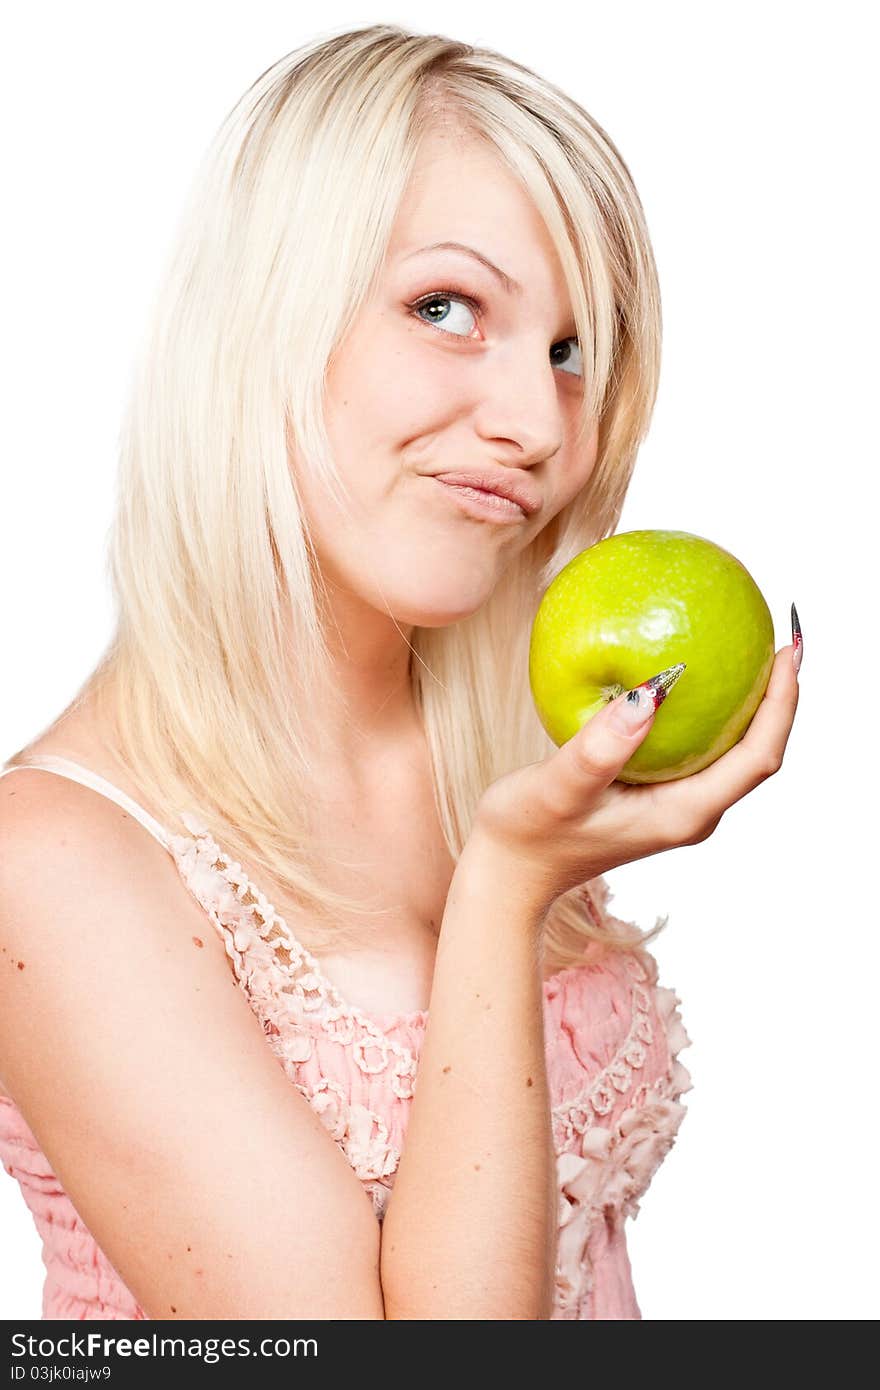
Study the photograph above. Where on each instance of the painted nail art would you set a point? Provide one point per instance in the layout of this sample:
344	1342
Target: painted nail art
797	639
641	702
658	687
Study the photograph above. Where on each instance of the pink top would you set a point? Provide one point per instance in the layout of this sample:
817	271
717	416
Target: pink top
612	1038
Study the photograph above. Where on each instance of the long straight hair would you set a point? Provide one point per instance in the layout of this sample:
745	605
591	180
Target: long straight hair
209	681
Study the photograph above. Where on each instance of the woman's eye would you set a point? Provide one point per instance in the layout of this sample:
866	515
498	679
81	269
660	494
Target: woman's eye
562	354
434	300
571	350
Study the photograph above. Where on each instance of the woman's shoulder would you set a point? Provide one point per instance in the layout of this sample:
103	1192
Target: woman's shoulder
77	736
92	812
80	880
58	798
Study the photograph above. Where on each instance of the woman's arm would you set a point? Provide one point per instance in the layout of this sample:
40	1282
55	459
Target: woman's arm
470	1228
202	1173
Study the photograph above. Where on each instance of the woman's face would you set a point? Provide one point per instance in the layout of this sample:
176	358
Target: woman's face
427	383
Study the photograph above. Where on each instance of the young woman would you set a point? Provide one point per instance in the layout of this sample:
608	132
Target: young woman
309	765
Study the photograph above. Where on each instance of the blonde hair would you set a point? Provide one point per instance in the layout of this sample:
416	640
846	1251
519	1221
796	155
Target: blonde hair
210	677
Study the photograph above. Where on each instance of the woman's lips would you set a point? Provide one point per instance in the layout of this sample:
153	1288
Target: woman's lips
485	504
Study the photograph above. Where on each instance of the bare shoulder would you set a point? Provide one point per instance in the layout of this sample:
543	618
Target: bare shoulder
35	802
80	736
56	831
145	1077
83	887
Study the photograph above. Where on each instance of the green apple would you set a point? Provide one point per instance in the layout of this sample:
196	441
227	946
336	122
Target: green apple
634	605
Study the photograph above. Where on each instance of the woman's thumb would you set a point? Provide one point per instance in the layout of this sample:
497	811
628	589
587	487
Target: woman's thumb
630	713
592	758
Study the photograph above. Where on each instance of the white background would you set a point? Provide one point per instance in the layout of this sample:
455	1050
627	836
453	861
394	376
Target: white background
750	136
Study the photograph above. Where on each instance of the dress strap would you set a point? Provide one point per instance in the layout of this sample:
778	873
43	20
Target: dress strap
75	772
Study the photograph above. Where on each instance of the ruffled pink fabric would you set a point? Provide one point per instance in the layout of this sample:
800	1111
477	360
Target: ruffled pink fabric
612	1038
80	1281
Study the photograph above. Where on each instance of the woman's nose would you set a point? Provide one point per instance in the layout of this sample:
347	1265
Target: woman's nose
520	403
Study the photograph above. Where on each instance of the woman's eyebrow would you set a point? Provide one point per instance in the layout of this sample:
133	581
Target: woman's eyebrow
512	286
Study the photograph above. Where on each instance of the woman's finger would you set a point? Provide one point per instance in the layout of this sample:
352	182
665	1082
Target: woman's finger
757	755
592	758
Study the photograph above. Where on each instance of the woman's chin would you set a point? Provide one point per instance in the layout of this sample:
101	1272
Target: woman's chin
441	611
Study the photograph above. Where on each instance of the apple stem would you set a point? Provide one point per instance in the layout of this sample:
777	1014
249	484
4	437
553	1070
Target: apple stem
611	692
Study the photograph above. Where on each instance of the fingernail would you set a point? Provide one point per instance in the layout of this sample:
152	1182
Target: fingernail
638	705
796	637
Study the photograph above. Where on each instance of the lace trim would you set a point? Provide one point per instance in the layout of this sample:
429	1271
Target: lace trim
285	984
360	1132
378	1193
573	1117
280	973
614	1167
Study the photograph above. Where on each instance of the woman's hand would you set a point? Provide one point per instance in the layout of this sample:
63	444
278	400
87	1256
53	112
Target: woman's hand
564	820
